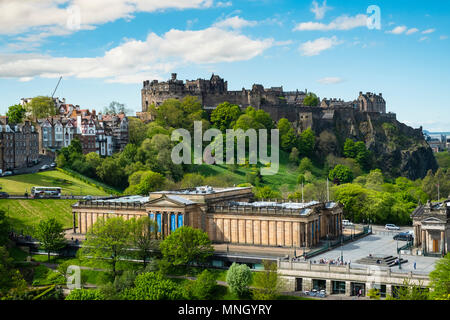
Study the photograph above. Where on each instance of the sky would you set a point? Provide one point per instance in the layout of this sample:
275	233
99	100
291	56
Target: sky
105	49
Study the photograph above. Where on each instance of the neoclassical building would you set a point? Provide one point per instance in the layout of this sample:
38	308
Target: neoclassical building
432	228
228	215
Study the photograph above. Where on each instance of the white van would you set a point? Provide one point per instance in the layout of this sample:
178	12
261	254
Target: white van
346	223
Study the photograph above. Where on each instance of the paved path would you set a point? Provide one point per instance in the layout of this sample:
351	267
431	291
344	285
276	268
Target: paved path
378	244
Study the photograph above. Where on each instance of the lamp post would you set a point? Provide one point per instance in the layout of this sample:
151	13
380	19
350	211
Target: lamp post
342	244
399	263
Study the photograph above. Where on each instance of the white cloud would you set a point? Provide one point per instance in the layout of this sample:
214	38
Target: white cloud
221	4
330	80
423	39
411	31
318	10
30	15
443	37
235	23
136	60
340	23
313	48
428	31
398	30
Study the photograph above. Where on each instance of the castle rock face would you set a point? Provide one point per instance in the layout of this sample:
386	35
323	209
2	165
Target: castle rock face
400	150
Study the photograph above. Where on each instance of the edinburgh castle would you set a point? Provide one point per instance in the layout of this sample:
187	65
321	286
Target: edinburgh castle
277	102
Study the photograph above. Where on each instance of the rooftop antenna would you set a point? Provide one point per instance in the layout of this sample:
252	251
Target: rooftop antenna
60	78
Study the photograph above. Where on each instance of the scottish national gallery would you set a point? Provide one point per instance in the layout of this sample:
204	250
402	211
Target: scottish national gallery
228	215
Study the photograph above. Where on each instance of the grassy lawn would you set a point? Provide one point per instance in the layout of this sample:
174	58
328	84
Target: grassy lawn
26	214
286	176
20	183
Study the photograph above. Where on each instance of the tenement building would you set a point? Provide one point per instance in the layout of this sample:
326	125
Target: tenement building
227	215
19	145
432	228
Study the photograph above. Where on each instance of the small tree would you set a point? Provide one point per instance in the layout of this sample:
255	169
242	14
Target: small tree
374	294
85	294
204	286
107	240
440	279
41	107
153	286
50	233
268	282
143	237
186	245
16	113
239	277
341	174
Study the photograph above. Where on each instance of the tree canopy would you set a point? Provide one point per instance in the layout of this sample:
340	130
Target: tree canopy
16	113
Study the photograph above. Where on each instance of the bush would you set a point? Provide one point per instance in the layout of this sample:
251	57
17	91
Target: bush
153	286
85	294
204	286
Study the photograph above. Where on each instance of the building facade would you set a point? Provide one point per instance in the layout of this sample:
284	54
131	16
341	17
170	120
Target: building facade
19	145
431	224
227	215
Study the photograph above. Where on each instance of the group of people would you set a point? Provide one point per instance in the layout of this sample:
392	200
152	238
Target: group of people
332	261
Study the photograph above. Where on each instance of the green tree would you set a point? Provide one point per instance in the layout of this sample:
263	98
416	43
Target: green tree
306	143
12	284
61	161
5	227
311	100
136	130
85	294
349	148
305	165
239	277
16	113
94	160
288	138
116	108
50	234
191	180
186	245
294	155
204	286
153	286
143	237
440	279
225	115
111	172
41	107
341	174
267	282
267	192
107	240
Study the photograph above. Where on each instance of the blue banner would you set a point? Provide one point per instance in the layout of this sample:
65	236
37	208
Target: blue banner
158	220
172	222
152	217
180	220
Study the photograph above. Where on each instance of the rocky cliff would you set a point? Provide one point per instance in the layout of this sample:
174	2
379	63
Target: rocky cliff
398	149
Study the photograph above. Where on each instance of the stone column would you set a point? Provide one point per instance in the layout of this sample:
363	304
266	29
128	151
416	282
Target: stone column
424	241
307	284
388	289
442	242
348	287
329	289
307	235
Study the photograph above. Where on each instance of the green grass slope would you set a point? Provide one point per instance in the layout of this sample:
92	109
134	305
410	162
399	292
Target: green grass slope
70	185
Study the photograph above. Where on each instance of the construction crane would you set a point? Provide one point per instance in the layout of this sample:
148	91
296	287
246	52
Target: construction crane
60	78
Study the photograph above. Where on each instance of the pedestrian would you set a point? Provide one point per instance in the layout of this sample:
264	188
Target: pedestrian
360	293
414	265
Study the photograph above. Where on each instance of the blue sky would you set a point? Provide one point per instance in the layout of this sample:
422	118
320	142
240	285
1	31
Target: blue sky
104	49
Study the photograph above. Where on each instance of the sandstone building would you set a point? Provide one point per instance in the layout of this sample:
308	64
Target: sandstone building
277	102
228	215
431	224
19	145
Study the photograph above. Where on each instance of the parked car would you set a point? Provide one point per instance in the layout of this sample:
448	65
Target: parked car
44	167
7	173
347	223
53	165
4	195
405	236
390	226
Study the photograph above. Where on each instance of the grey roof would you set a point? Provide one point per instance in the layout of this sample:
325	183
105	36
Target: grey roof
180	199
127	199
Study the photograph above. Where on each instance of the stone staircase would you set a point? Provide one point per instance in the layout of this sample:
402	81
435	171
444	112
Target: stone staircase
382	261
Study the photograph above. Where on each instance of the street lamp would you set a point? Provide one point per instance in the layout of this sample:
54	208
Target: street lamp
342	243
399	256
